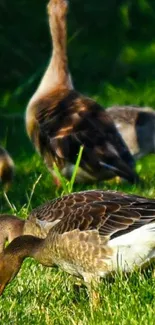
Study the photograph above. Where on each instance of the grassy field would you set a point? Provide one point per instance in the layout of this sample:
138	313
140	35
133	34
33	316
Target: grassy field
42	295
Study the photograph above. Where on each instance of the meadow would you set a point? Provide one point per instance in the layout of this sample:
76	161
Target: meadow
40	295
112	57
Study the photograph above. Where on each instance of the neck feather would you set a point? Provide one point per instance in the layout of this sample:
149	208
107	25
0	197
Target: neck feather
10	228
24	246
57	74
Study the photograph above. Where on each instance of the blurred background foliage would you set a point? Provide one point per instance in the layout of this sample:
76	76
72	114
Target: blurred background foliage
111	48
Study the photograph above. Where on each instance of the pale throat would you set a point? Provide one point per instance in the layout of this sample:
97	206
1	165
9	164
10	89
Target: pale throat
57	73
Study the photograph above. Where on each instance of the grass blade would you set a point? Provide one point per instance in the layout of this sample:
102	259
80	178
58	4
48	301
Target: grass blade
61	178
71	183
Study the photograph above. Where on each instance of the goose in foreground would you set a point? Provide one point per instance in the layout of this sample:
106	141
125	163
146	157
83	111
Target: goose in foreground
103	231
6	168
43	218
137	127
59	119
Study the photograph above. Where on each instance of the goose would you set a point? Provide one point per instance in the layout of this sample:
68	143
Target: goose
100	233
6	168
40	220
137	127
59	120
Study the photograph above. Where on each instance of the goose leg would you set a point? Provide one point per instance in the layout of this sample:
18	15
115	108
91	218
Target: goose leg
92	284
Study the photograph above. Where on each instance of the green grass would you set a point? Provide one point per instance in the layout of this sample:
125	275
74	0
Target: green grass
40	295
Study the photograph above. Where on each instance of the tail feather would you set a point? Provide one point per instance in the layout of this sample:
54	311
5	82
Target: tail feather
138	236
121	169
136	248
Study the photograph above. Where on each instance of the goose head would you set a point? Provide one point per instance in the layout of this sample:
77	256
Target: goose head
13	256
9	267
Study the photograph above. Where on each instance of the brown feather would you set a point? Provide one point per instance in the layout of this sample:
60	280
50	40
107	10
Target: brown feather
106	211
80	241
59	120
137	127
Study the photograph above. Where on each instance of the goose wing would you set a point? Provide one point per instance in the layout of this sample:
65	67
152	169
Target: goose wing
73	120
58	208
114	215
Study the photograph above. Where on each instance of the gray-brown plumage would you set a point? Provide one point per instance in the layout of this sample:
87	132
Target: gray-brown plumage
6	168
96	233
137	127
10	228
59	119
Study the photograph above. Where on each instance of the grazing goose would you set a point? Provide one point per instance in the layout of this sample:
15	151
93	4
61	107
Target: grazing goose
100	232
6	168
59	119
137	127
42	218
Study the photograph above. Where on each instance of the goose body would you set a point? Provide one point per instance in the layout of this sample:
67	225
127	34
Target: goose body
100	232
40	220
6	168
137	127
59	119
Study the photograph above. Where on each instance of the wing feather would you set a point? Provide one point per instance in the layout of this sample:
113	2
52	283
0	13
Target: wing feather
108	218
85	123
110	213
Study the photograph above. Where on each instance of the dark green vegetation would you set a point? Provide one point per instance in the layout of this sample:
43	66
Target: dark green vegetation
111	45
112	58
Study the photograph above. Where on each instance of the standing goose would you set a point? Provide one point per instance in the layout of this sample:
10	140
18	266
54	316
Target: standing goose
103	231
6	168
137	127
59	119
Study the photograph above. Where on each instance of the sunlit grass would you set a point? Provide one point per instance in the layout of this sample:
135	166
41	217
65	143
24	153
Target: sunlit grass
40	295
